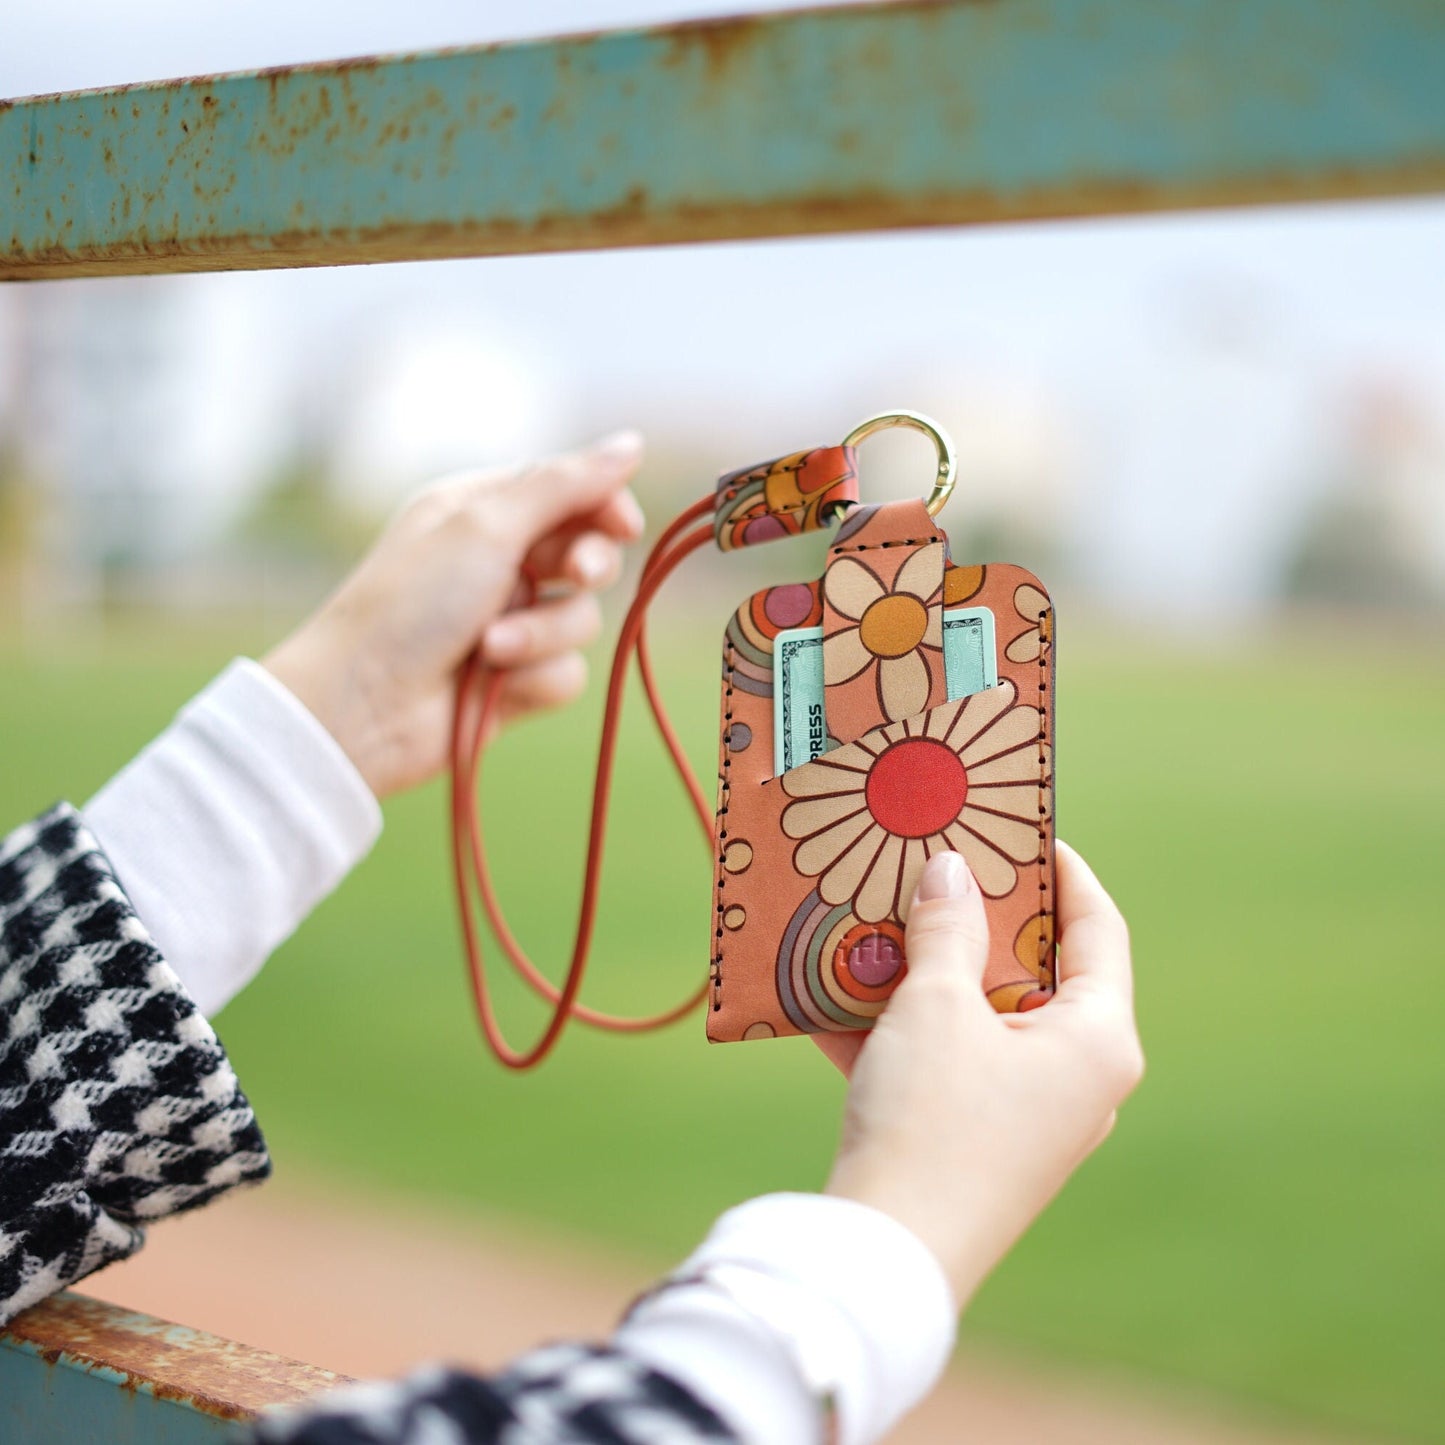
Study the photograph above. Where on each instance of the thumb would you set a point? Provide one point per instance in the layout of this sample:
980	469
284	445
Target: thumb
553	492
947	933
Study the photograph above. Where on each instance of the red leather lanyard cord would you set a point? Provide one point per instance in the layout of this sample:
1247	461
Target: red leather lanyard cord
468	841
537	981
469	856
701	806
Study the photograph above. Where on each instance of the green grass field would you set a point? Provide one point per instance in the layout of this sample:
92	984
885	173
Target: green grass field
1266	1220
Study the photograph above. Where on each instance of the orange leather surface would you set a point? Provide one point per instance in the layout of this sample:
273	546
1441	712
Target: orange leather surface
883	619
796	493
815	869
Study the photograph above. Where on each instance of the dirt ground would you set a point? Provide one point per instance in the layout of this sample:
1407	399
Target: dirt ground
368	1291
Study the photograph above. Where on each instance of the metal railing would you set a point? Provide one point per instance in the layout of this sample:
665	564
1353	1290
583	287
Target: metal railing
778	124
75	1370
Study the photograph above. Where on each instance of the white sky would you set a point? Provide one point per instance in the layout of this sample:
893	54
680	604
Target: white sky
1190	371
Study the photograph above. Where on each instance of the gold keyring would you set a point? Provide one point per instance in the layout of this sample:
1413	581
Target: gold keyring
947	462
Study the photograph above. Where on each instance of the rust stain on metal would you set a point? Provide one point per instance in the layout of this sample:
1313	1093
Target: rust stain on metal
214	1376
718	40
632	223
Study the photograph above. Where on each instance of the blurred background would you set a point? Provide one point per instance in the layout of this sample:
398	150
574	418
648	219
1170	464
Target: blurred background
1221	439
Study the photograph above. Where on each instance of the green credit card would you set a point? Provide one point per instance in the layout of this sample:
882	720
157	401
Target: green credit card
800	730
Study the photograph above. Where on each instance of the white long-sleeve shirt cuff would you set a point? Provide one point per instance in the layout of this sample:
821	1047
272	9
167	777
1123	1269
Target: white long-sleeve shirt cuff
231	826
794	1300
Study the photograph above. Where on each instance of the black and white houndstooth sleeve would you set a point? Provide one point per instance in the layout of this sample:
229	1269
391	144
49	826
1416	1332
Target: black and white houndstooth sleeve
561	1395
117	1102
118	1106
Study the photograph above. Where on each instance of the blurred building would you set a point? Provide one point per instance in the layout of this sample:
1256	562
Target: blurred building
125	429
1375	535
1185	446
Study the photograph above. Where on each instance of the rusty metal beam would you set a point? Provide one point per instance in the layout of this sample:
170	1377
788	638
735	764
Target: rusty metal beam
831	120
80	1370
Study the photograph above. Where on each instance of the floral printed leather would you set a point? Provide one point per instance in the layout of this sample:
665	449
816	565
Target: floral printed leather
796	493
815	869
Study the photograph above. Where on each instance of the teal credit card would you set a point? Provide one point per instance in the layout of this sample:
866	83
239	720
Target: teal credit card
800	732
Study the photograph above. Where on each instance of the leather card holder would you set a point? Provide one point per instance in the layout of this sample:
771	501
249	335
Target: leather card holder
815	868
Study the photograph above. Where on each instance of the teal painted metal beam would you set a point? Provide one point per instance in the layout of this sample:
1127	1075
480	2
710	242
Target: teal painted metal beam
85	1372
830	120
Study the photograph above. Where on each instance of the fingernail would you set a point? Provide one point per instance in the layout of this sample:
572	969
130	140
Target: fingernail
632	514
624	443
945	875
593	560
504	639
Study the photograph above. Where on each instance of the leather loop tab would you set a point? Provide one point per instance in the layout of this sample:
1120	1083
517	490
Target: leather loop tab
883	619
798	493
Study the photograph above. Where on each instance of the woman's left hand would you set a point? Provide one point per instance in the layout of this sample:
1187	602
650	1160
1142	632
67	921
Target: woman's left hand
377	662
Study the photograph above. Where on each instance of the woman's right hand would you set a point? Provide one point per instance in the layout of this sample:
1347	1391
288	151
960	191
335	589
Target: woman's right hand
962	1123
377	663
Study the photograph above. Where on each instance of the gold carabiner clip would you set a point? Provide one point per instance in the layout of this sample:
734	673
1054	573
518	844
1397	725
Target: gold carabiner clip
947	462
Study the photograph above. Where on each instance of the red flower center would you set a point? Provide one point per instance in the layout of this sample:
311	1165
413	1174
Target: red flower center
917	787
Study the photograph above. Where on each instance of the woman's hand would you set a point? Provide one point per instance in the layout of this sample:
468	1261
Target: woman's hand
963	1123
377	662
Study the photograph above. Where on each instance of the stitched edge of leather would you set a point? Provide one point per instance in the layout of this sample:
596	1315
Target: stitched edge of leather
1045	705
720	840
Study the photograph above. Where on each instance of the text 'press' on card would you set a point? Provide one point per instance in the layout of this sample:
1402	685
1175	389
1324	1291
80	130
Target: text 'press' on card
800	733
